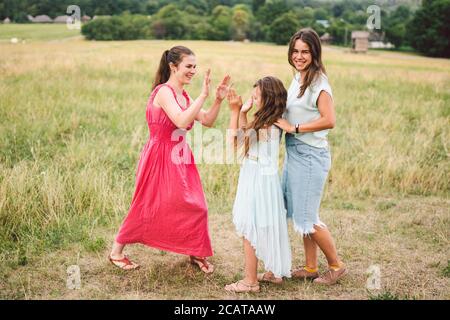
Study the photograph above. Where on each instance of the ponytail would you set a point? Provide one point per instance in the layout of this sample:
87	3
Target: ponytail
163	72
174	55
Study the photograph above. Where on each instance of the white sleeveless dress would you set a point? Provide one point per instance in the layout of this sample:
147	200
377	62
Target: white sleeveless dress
259	214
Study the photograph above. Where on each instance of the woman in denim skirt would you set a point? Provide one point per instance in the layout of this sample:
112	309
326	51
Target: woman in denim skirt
309	115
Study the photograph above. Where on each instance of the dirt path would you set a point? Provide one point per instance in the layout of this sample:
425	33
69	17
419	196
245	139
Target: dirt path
408	240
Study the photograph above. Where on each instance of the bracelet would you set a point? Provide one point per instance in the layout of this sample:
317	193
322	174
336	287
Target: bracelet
297	127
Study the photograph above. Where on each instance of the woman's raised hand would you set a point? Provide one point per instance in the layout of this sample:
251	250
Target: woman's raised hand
247	105
223	88
234	101
206	84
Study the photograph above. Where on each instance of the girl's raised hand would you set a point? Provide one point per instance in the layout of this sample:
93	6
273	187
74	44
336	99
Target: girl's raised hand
223	88
206	83
234	101
247	105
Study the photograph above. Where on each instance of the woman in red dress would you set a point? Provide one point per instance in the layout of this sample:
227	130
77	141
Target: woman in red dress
169	210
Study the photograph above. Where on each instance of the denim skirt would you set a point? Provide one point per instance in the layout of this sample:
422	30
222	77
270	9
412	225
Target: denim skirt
305	172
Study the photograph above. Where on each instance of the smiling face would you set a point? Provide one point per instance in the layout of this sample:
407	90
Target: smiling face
185	70
301	56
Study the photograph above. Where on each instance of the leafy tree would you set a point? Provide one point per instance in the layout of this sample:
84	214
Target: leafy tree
153	6
15	10
240	23
339	29
270	10
320	14
338	10
396	26
169	23
283	27
306	14
123	27
358	17
256	4
100	29
220	23
201	6
429	30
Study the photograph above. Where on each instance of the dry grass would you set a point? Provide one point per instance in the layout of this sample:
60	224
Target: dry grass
72	125
409	241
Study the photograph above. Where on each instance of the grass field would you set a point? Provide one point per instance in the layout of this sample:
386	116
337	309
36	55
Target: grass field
33	32
72	124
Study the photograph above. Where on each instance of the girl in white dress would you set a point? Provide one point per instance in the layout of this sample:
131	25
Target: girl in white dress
259	214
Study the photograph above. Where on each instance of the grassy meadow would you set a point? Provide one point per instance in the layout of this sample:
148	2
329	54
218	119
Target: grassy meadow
72	124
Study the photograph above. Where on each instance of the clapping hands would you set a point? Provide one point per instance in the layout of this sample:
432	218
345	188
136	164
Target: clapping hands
223	88
235	102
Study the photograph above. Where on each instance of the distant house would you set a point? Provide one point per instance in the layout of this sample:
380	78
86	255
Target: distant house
61	19
380	45
7	20
103	16
326	38
324	23
378	41
85	18
376	36
360	41
42	19
30	18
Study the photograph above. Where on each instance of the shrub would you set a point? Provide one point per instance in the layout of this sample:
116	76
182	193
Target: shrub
123	27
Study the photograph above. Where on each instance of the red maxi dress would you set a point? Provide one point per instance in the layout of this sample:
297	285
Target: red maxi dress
168	210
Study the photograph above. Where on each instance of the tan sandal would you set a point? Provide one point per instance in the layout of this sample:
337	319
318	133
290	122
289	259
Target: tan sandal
124	263
303	274
242	287
269	277
203	264
332	276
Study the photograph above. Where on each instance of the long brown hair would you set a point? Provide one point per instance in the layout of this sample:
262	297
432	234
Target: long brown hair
273	105
311	38
174	55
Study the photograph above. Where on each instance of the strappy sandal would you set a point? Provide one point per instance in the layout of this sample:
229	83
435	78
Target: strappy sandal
203	264
242	287
269	277
124	263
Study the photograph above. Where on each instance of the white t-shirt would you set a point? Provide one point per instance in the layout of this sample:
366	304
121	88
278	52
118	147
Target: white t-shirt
303	110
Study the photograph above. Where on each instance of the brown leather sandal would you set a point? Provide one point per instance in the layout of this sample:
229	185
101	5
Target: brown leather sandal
269	277
203	264
242	287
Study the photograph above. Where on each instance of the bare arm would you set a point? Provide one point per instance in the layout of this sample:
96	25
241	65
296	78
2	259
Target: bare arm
327	118
235	104
242	120
182	118
243	114
207	118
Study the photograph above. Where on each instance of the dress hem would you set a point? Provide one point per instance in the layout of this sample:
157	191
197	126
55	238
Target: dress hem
241	234
164	248
309	230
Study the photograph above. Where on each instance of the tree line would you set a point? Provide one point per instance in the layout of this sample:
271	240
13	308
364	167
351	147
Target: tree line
408	25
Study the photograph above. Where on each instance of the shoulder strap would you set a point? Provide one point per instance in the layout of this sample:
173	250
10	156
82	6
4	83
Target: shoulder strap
173	92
